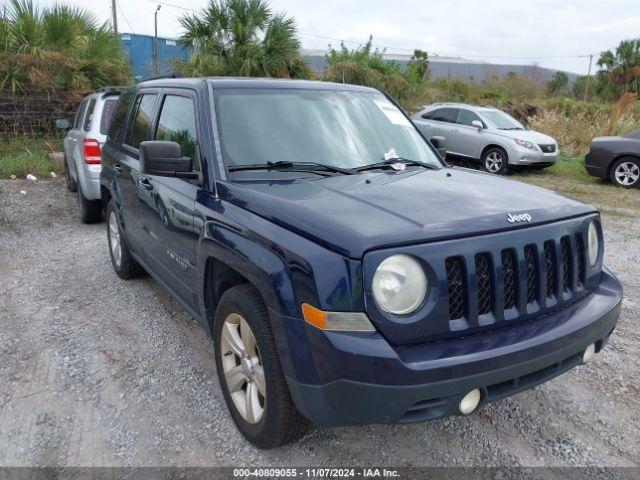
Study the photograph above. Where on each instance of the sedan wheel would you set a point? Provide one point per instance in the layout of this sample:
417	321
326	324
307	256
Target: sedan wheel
626	173
243	371
115	243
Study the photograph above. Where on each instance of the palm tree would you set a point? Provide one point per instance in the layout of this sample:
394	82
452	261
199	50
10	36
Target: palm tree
242	37
60	46
622	66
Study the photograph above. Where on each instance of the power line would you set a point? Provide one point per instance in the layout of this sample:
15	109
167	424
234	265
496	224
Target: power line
124	16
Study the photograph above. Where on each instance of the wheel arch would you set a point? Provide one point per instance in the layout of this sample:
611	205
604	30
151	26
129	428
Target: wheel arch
105	196
494	145
276	292
620	157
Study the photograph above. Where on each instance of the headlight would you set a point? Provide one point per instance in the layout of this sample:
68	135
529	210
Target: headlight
593	243
526	144
399	285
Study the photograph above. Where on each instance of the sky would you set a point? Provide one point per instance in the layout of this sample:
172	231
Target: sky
558	34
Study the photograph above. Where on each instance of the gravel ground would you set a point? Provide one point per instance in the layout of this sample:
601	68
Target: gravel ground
96	371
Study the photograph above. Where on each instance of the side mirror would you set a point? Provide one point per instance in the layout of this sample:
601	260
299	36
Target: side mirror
62	124
164	158
439	143
478	124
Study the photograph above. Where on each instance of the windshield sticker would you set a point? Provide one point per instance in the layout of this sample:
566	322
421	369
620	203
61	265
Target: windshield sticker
394	115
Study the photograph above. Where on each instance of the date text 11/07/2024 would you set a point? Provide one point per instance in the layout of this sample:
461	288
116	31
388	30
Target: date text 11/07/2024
316	472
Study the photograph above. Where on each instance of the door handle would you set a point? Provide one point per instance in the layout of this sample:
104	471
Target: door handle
454	130
117	168
144	183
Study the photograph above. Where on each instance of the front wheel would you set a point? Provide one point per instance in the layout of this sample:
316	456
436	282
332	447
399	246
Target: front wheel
249	371
626	172
495	160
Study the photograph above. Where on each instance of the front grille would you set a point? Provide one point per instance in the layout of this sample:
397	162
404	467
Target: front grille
457	287
582	266
567	263
485	292
520	281
547	148
510	279
550	268
532	273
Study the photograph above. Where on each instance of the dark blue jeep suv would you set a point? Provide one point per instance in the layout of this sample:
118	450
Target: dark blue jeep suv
346	274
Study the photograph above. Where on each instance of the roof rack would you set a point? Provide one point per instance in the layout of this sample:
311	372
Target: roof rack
111	89
160	77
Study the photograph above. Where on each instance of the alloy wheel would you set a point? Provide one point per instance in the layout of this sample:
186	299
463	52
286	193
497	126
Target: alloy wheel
243	370
627	173
493	162
114	239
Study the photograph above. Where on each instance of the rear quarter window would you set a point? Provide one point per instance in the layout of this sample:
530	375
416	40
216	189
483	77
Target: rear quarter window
107	113
119	117
89	115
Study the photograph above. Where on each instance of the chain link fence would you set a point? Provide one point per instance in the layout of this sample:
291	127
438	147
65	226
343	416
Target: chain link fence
35	112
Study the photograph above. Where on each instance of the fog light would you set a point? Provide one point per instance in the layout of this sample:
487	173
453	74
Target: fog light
470	402
589	353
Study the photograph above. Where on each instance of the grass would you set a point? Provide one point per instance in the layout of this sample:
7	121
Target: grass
569	178
21	156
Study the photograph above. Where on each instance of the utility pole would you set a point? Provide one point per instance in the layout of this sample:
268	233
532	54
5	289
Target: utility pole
155	42
586	87
114	17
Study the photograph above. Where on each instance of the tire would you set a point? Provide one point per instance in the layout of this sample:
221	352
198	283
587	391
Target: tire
123	263
242	321
71	183
626	173
90	210
495	160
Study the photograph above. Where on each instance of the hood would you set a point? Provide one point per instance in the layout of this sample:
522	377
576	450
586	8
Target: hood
530	135
355	213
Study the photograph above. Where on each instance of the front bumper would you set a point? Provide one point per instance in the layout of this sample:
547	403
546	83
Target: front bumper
524	157
596	165
362	379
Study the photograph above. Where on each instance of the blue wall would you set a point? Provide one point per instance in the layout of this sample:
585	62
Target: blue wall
139	49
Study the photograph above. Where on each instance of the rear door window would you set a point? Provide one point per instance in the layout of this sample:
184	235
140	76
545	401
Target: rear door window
107	112
177	123
448	115
142	116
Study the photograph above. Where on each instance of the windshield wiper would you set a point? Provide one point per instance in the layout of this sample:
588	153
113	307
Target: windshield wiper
393	160
310	166
511	128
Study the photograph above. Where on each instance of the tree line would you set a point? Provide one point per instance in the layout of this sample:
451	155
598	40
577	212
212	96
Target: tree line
63	46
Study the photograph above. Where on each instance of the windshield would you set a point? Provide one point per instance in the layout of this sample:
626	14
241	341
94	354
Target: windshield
339	128
501	120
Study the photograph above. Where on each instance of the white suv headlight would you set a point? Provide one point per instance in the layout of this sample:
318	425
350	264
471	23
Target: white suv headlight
526	144
399	285
593	243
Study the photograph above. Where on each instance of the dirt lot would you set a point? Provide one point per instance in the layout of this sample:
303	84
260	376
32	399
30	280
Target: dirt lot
98	371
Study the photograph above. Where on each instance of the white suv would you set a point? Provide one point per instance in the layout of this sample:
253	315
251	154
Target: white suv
82	150
486	135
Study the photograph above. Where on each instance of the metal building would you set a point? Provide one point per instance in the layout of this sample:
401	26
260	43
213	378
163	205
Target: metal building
139	49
